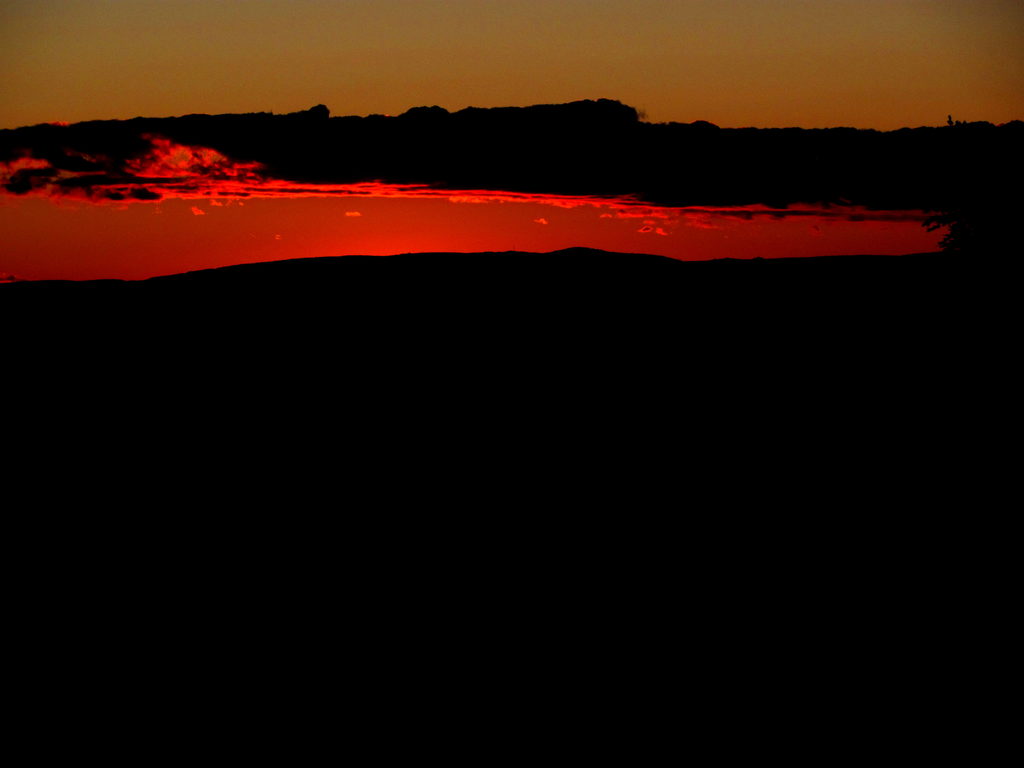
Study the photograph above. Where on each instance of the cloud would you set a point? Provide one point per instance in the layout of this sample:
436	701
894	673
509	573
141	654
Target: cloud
163	169
649	226
583	153
142	168
704	220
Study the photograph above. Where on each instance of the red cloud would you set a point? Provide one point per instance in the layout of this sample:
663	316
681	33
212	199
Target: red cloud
170	170
169	161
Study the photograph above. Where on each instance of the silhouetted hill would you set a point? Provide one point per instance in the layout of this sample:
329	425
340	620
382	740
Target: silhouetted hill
487	375
532	271
533	289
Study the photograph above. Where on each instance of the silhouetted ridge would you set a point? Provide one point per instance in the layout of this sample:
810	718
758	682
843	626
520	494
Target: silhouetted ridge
400	315
569	268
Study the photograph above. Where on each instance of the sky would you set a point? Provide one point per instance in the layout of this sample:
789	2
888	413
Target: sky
42	239
879	64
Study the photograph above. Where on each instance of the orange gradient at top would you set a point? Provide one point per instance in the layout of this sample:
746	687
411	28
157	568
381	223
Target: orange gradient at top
812	63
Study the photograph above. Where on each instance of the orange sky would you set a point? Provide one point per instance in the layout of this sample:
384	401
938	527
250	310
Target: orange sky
811	63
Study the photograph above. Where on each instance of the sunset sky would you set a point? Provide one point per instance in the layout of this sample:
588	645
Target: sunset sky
881	64
811	63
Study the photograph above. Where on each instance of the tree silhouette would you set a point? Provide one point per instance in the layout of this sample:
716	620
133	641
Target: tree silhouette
980	199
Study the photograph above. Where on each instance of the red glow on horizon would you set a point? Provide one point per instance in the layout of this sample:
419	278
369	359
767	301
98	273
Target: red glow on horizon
215	212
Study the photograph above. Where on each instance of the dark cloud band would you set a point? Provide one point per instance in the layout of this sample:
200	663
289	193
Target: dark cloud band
588	149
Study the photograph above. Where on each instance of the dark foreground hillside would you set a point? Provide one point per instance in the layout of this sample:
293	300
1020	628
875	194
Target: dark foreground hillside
586	296
487	379
539	310
765	464
571	277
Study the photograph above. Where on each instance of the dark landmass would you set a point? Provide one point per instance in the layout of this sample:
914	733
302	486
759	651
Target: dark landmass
587	147
609	353
518	271
488	376
529	288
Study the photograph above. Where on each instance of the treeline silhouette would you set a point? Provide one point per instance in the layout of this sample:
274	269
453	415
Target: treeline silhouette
981	193
959	171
